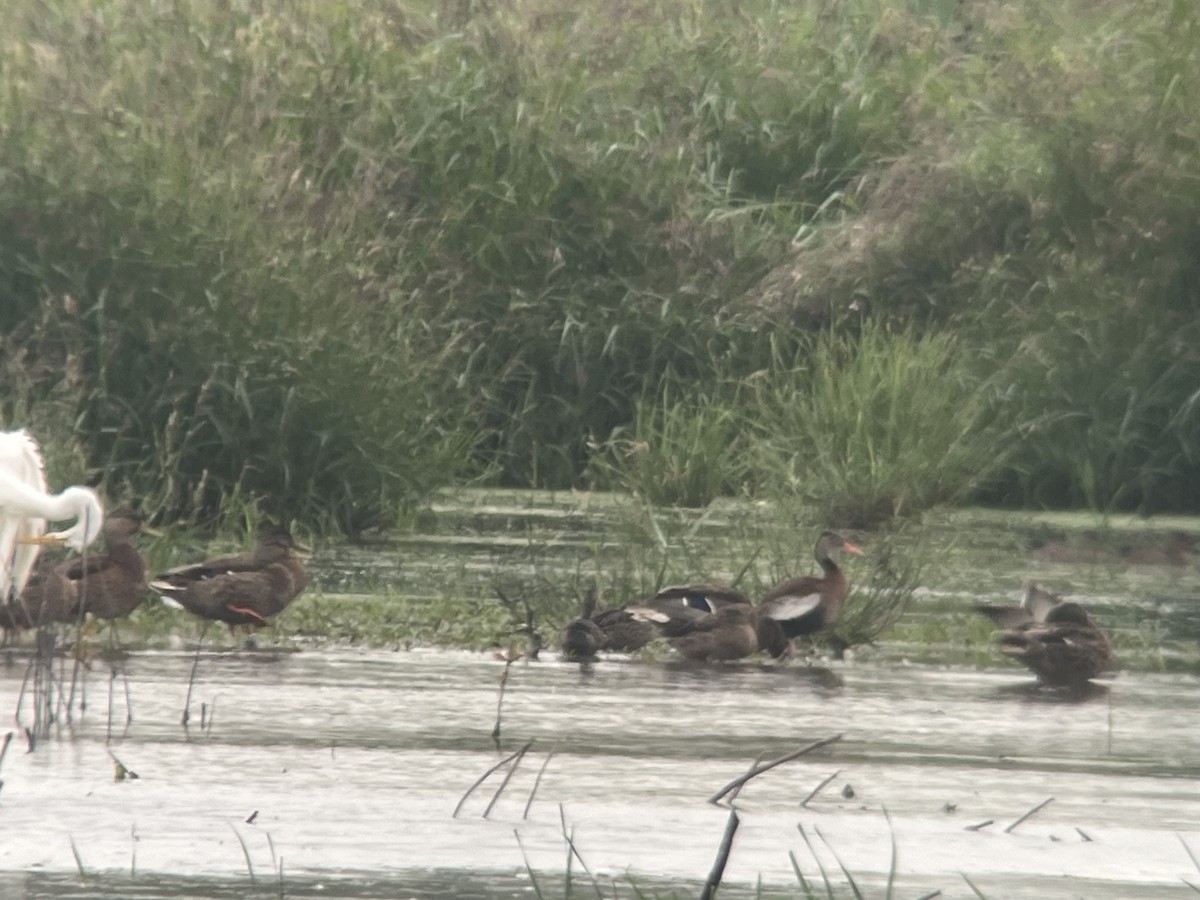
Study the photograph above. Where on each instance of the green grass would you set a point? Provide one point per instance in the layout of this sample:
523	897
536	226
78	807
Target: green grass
330	258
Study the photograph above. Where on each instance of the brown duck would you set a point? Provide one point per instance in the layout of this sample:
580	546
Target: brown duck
708	623
809	604
1036	602
247	589
107	585
1057	640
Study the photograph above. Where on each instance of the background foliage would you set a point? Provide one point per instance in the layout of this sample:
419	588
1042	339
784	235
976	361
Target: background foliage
865	255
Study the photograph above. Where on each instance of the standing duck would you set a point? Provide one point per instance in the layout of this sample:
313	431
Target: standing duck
809	604
1067	648
246	589
108	585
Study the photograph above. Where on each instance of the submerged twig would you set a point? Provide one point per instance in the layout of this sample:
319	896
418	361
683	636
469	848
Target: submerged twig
482	778
1087	838
981	825
819	788
718	869
1031	812
517	757
537	782
759	769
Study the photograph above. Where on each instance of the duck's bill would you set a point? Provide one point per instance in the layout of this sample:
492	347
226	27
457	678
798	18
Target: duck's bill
852	548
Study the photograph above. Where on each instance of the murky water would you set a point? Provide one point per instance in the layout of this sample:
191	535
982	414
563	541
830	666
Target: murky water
336	772
352	763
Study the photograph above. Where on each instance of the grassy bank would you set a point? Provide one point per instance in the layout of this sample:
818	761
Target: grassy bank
864	256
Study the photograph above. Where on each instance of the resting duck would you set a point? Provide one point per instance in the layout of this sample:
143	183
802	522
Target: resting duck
809	604
1066	648
1036	603
246	589
1058	640
107	585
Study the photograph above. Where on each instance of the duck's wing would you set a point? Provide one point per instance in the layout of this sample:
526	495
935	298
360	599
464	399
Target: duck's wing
1007	617
706	598
794	599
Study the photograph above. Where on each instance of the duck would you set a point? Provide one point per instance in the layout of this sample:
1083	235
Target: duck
246	589
1066	648
806	605
107	585
1036	603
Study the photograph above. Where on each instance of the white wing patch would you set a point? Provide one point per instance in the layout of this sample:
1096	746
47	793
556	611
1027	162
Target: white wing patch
783	608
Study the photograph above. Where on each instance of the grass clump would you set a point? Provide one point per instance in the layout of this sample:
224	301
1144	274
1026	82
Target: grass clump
860	429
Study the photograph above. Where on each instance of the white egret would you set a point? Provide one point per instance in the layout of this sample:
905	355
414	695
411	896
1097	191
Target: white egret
26	505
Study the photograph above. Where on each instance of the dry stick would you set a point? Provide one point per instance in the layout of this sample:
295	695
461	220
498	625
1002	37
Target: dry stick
536	782
981	825
1045	802
930	895
819	788
507	777
4	746
718	869
733	795
482	778
508	661
187	700
758	770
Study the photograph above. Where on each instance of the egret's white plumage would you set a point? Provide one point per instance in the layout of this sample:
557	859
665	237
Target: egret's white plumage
26	505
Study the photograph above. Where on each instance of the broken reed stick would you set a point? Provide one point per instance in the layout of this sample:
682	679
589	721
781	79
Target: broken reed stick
509	659
569	838
759	769
1031	812
520	754
819	788
981	825
537	782
733	795
482	778
4	746
187	700
718	869
1087	838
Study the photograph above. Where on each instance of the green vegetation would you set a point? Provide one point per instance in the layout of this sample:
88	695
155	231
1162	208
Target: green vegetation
868	256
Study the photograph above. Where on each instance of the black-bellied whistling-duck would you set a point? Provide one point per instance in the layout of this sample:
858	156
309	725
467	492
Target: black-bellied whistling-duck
108	585
806	605
1066	648
246	589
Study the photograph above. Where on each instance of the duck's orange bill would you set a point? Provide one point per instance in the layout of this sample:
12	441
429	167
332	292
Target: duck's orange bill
852	548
